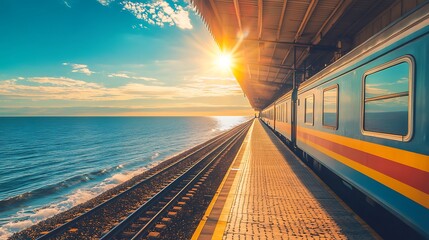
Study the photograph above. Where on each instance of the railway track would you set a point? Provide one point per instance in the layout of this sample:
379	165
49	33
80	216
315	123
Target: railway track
157	212
149	204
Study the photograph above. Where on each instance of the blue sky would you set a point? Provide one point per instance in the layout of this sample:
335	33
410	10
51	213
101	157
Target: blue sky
110	57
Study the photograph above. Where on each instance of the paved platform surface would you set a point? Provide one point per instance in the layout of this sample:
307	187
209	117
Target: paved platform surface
269	194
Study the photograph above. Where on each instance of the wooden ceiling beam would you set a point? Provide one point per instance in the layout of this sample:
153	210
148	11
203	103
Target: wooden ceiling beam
218	20
216	12
301	28
306	18
237	13
331	20
260	11
279	29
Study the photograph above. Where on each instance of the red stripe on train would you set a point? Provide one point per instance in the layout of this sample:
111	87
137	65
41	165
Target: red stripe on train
411	176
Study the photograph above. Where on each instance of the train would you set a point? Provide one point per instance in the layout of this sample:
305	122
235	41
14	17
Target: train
365	117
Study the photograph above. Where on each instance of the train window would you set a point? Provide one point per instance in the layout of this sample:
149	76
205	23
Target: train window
387	108
277	113
330	107
285	111
288	111
309	109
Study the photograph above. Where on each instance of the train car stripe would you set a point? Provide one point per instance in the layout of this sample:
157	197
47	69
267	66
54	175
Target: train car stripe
414	160
404	189
408	175
367	167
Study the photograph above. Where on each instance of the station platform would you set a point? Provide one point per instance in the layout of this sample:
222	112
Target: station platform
270	194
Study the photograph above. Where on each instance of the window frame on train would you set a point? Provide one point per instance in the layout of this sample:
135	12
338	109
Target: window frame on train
305	110
410	99
334	127
286	117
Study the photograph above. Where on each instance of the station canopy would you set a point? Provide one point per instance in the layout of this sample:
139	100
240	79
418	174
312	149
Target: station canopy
271	40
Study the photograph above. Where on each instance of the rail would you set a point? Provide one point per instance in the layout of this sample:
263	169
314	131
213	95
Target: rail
164	192
215	141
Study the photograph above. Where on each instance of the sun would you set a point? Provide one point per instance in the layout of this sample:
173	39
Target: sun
224	61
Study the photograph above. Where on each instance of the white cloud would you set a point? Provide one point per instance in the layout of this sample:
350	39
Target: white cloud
160	13
62	81
67	4
79	68
125	75
62	88
105	2
120	75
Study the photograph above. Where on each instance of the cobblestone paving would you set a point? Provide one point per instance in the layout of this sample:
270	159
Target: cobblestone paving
278	198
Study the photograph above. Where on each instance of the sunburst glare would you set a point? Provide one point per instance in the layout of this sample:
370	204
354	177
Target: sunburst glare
224	61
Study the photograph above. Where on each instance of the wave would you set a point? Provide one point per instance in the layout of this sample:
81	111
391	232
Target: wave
25	219
154	155
19	200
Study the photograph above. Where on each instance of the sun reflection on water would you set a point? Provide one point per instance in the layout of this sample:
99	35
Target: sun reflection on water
227	122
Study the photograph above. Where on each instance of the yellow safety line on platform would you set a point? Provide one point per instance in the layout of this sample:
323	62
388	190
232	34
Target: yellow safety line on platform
222	221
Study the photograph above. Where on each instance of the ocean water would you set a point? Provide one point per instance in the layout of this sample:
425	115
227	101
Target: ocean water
49	164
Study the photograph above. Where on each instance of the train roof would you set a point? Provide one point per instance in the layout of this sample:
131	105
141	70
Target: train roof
270	39
397	30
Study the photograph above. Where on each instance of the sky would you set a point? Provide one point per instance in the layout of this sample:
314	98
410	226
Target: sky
111	57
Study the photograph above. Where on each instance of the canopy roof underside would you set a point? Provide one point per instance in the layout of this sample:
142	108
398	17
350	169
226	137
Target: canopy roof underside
266	38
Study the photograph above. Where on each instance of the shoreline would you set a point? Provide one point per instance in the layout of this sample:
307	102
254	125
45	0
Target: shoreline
106	194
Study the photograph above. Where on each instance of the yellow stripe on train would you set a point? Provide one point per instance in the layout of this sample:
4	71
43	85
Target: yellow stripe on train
415	160
400	187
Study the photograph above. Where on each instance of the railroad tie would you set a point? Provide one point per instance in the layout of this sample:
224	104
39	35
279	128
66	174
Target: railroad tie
144	219
172	214
177	208
160	226
153	235
166	220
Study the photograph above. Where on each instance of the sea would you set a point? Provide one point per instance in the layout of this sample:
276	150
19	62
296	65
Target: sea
50	164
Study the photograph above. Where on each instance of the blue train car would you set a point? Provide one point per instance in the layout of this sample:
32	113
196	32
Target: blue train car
365	117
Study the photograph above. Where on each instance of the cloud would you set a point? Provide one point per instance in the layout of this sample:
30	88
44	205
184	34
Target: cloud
213	86
125	75
160	13
105	2
79	68
62	88
120	75
67	4
62	81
